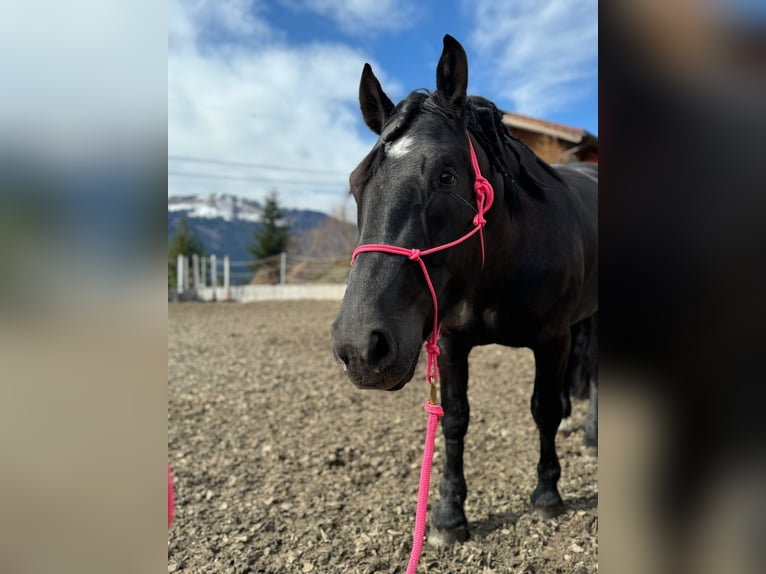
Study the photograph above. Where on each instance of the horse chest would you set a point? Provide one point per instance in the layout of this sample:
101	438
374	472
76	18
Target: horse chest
489	324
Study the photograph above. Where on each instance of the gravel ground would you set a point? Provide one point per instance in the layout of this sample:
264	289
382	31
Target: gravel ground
281	465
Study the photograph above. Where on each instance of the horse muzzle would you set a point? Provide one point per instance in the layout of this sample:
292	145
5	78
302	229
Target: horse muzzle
372	359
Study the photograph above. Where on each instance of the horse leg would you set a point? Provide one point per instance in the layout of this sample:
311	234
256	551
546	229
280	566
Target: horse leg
591	423
550	363
566	394
566	425
576	378
449	524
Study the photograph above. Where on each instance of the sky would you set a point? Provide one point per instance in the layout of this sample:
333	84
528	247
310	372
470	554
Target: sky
263	94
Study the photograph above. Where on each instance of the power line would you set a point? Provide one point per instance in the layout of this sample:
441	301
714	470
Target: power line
240	112
190	159
255	179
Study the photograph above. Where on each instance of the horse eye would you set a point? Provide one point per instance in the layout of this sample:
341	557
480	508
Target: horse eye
447	178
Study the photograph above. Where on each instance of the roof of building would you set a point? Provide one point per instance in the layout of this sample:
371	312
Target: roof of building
560	131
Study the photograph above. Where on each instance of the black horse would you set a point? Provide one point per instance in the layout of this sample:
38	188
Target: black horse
538	279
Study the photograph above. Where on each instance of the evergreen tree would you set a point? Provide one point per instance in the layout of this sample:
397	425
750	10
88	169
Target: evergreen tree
182	242
272	238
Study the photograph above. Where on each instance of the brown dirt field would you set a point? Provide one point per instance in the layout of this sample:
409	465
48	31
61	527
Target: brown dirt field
281	465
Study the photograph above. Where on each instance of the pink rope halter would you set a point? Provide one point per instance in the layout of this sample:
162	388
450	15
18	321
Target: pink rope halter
484	197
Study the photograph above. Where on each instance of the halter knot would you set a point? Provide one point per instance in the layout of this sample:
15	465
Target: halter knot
484	191
414	254
433	409
479	220
432	348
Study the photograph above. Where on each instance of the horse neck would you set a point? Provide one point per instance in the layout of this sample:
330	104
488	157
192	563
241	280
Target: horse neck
515	221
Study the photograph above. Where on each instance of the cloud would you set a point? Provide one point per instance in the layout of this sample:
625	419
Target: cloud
202	24
256	100
539	55
364	16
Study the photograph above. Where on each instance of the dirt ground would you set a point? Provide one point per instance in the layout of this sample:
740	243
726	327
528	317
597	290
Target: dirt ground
281	465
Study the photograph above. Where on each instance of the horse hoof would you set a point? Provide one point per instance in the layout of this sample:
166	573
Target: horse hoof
547	503
447	536
549	511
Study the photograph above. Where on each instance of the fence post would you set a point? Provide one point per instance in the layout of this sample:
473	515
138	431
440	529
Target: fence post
195	270
225	277
213	271
203	271
180	274
282	268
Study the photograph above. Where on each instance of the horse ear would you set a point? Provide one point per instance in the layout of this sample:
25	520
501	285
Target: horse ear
452	72
374	102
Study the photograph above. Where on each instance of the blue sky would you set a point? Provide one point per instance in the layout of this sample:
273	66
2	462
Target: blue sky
263	94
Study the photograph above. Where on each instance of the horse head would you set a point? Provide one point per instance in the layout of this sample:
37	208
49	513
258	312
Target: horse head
414	190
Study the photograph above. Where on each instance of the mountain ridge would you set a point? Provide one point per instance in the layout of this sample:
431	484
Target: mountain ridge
226	223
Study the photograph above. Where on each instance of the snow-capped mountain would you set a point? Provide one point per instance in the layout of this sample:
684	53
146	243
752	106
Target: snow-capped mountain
216	206
227	223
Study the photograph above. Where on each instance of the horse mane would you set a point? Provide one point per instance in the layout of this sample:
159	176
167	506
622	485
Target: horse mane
485	122
405	112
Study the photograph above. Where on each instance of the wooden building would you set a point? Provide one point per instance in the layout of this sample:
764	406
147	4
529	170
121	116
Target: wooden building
554	143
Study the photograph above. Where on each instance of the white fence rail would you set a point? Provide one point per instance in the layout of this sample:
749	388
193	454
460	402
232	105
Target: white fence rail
251	293
198	278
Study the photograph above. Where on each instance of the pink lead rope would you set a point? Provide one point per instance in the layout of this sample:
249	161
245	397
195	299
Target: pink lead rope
484	198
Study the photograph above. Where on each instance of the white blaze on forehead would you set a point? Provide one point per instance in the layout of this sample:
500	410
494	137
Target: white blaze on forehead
400	147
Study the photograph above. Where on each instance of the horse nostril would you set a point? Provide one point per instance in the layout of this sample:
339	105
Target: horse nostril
380	351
